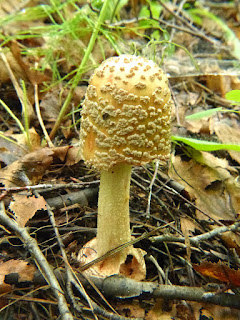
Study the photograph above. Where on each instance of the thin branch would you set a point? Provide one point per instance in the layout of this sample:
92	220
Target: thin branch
50	187
150	189
96	310
196	240
41	261
120	287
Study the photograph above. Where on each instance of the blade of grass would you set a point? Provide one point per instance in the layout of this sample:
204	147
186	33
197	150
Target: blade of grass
2	135
208	113
9	111
203	114
82	66
26	114
203	145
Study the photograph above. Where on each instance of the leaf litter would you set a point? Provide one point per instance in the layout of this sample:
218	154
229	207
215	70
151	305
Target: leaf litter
207	171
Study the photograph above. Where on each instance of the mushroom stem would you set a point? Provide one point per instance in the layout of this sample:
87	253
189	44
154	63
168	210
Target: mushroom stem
113	209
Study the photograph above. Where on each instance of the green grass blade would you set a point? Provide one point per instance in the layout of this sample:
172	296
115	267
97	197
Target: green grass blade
203	114
203	145
13	116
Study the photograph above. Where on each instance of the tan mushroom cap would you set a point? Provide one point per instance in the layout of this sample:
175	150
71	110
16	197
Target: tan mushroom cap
126	114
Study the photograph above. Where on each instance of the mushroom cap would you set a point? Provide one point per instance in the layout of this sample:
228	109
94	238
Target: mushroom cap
126	114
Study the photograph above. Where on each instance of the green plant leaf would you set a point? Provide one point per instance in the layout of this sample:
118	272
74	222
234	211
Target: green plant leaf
203	114
203	145
233	95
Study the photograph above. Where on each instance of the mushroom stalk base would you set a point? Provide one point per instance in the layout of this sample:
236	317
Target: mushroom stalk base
113	227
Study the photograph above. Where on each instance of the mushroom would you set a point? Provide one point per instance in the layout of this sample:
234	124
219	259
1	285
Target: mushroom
125	122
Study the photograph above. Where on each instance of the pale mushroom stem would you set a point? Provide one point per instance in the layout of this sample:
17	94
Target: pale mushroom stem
113	209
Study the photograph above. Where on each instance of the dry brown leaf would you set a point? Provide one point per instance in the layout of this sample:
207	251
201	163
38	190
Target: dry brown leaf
228	135
220	272
30	169
158	312
216	191
4	74
25	207
220	84
53	100
132	309
12	151
206	311
232	240
73	156
25	272
33	76
187	225
200	126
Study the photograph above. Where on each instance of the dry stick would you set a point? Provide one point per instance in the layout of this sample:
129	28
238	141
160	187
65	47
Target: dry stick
188	24
196	240
64	255
118	286
167	24
150	189
70	278
50	187
42	262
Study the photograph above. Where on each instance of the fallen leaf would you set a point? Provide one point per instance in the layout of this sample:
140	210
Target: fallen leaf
159	312
22	268
207	311
132	309
30	169
187	227
232	240
34	76
210	184
14	146
227	134
219	83
27	170
73	156
220	272
25	207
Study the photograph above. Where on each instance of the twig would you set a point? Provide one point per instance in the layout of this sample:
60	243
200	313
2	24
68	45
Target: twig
188	24
41	261
196	240
160	271
64	255
150	189
77	284
81	68
50	187
119	286
194	32
81	197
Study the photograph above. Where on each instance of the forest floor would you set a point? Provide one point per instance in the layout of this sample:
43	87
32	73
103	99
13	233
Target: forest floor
184	214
